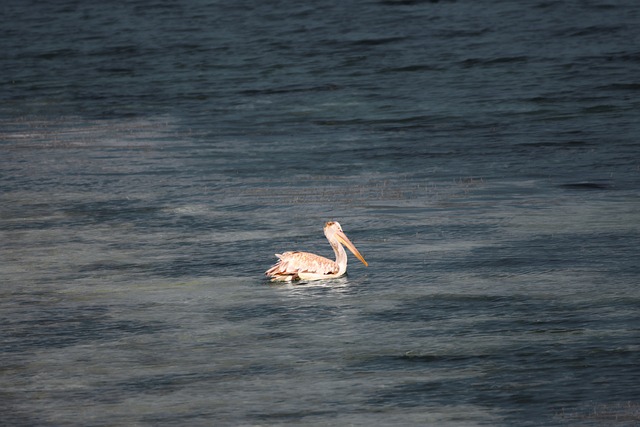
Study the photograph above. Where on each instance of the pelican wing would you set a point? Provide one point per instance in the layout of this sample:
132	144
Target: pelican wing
292	264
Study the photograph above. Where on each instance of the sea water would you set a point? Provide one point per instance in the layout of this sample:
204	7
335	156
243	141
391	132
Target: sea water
483	156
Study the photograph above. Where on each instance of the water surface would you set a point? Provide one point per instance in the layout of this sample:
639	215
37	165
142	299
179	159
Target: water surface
483	156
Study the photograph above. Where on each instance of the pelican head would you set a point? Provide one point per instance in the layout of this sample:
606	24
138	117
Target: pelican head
335	235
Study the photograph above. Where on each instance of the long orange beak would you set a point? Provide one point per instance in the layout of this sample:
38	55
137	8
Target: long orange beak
345	241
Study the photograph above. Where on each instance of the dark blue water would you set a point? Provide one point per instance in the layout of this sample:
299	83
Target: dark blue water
483	156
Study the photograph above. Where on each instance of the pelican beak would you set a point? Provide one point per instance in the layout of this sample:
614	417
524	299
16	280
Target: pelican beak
345	241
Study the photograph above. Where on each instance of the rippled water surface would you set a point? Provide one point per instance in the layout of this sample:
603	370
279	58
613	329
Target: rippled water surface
483	156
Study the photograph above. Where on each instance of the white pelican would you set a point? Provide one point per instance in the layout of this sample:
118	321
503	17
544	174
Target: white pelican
307	266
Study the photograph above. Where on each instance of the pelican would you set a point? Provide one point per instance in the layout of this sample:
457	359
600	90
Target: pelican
307	266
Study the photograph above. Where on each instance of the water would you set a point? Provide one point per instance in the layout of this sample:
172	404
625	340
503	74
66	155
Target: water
483	156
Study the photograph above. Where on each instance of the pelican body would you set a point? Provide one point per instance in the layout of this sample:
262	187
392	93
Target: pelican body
307	266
